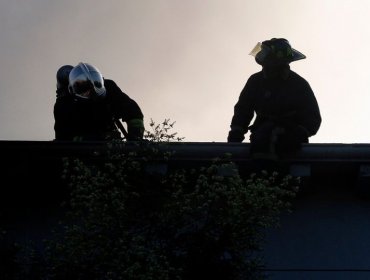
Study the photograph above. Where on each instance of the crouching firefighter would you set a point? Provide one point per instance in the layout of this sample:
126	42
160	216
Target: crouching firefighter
95	108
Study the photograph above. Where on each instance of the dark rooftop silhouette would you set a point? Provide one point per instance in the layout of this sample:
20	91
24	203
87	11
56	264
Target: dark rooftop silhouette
325	236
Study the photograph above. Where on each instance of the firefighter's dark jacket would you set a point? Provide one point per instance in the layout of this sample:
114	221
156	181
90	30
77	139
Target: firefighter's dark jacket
287	101
88	120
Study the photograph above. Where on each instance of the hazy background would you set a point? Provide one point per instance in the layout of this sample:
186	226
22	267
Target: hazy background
186	60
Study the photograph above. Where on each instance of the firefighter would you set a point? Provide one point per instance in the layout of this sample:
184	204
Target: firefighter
95	109
284	106
63	106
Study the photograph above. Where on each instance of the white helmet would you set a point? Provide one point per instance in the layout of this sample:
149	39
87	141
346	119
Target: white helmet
86	81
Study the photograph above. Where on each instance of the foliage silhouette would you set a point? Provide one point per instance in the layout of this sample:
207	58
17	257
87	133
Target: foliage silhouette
124	222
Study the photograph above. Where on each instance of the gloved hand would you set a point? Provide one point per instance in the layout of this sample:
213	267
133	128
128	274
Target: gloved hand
300	134
135	129
235	135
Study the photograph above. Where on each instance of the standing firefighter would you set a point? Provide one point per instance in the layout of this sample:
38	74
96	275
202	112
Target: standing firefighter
284	105
95	108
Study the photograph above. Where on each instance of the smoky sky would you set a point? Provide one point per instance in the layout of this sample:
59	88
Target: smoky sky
183	60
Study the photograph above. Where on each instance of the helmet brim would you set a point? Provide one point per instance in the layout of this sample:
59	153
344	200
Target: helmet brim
296	55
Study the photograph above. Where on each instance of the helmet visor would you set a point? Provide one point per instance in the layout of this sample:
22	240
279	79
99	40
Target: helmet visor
257	48
82	87
86	82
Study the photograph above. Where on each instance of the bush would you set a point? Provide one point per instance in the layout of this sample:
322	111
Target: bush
196	223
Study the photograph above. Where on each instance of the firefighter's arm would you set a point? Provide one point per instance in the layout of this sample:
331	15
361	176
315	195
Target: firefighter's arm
243	114
311	114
